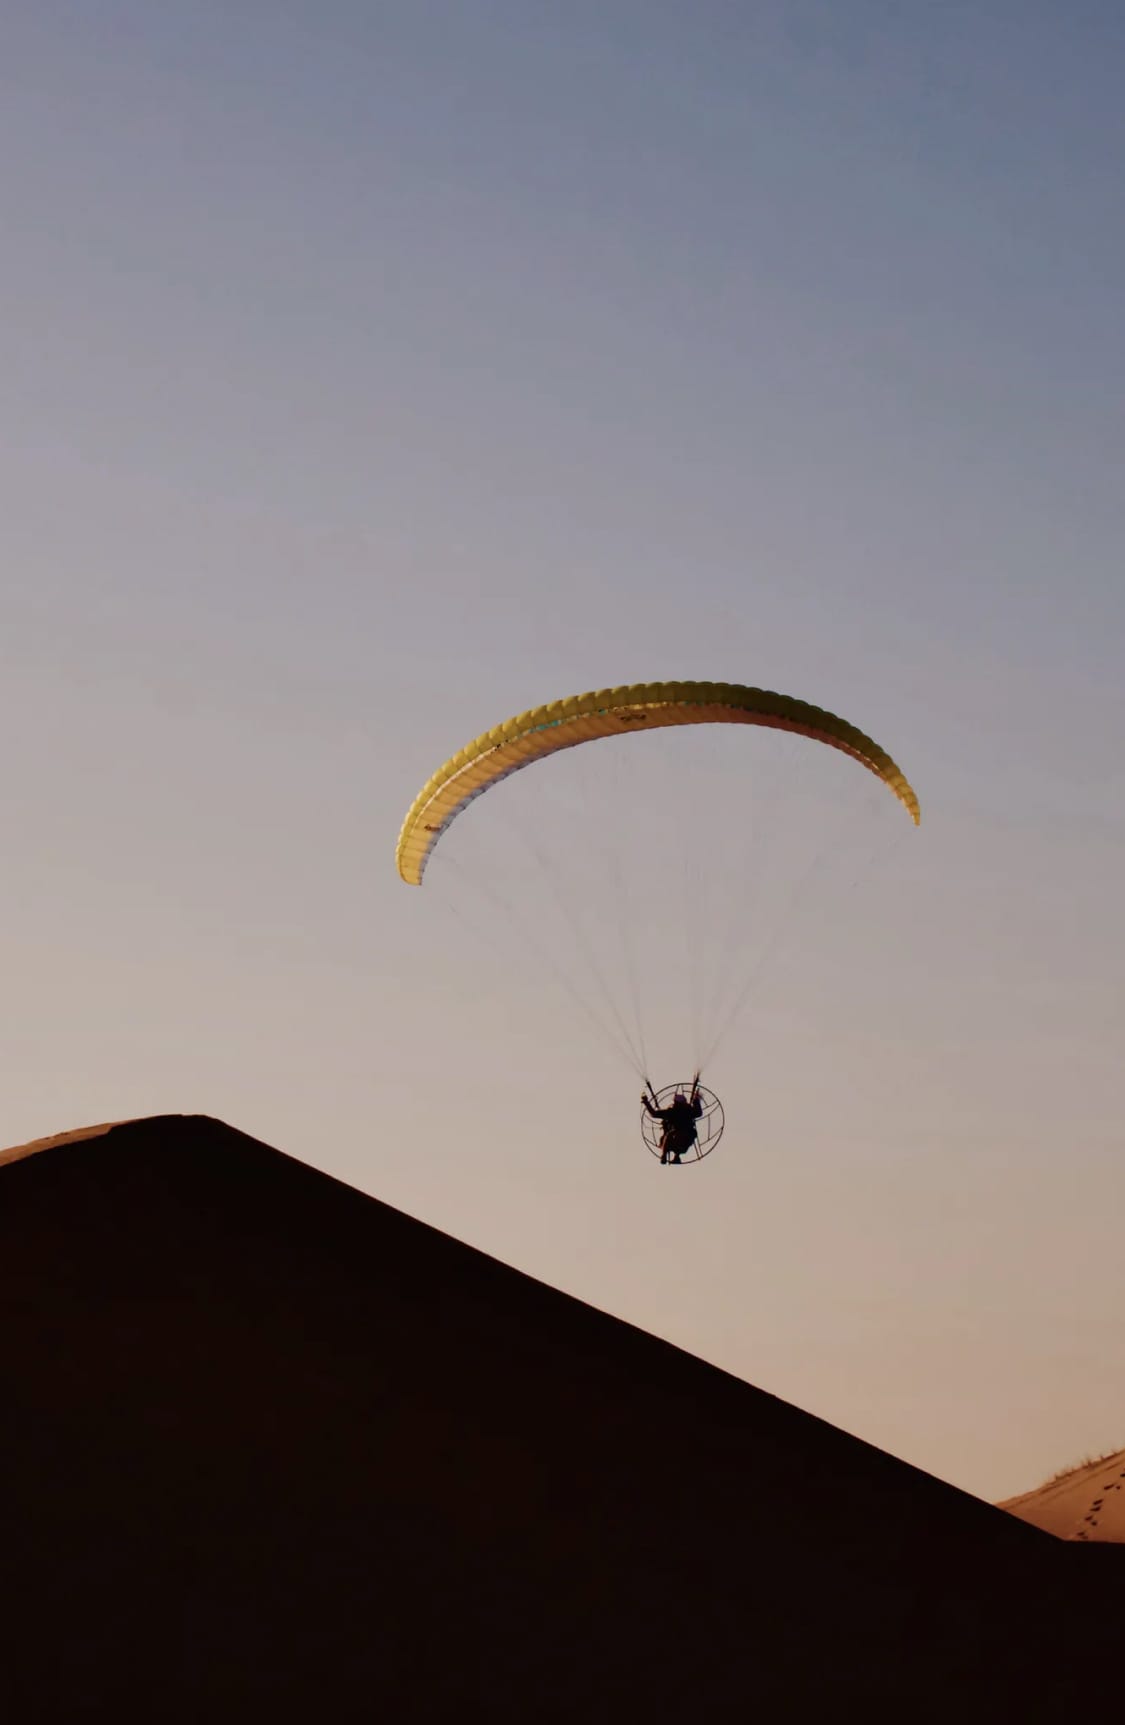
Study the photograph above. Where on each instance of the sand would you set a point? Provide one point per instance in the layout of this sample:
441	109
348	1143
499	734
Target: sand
1088	1503
273	1450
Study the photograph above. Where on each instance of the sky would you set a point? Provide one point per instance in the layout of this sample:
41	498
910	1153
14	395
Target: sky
374	372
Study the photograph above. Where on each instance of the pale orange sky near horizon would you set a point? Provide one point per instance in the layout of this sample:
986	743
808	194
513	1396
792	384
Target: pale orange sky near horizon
371	376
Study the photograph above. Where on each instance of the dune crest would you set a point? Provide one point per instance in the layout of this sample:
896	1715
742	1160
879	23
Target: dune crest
1085	1503
274	1450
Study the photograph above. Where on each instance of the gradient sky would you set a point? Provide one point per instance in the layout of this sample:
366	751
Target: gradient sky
373	371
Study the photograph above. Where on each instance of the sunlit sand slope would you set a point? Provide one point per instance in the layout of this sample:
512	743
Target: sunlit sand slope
274	1451
1088	1503
18	1152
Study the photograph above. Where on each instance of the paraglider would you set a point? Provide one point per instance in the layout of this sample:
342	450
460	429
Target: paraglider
677	1121
681	1122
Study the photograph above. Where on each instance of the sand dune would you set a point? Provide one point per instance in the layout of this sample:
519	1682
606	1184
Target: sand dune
273	1450
1087	1503
18	1152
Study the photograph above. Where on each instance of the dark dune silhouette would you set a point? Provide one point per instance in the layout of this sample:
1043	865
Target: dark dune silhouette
276	1451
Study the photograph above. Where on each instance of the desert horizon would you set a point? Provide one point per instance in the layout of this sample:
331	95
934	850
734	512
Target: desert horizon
348	1451
1082	1500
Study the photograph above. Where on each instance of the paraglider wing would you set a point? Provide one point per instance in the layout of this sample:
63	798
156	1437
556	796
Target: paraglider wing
611	713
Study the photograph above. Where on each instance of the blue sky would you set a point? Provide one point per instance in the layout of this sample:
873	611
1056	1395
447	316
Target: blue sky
374	372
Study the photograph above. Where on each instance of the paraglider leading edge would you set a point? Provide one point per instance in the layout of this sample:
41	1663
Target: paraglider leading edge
614	712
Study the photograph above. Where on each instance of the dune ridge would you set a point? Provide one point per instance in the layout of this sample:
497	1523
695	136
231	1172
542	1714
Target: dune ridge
274	1449
1085	1503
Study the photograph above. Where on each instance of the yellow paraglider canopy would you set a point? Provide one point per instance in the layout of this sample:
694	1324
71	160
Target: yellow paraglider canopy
612	713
